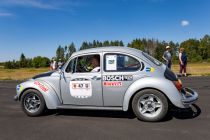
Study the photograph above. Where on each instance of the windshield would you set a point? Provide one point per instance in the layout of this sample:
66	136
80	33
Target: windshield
152	59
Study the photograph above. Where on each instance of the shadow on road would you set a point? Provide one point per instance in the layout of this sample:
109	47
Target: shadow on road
93	113
177	113
188	113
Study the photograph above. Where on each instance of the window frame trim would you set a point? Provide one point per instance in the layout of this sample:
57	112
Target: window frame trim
85	54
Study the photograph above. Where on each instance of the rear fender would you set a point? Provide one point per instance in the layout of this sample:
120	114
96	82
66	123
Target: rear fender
165	86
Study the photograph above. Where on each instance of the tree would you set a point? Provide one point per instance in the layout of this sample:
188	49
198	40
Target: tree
106	43
121	43
70	50
39	61
151	46
8	65
11	64
60	53
84	46
29	63
191	47
204	47
23	61
137	44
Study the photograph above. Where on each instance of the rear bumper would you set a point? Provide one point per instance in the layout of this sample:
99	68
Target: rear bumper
189	96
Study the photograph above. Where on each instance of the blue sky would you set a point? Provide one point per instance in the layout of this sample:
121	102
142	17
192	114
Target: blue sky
37	27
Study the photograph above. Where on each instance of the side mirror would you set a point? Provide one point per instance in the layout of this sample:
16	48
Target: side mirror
60	71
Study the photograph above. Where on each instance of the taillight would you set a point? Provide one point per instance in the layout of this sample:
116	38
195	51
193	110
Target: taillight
178	84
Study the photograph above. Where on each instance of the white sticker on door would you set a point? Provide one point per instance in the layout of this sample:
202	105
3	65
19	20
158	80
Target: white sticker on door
80	89
111	62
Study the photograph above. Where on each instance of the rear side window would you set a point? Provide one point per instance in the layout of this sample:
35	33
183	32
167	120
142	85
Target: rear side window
153	60
121	63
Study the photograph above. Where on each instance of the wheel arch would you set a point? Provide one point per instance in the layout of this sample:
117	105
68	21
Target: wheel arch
24	90
145	88
162	85
50	96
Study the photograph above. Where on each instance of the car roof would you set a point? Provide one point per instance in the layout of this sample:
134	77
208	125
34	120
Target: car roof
112	49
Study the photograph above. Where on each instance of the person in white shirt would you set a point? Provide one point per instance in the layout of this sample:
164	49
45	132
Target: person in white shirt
95	61
54	65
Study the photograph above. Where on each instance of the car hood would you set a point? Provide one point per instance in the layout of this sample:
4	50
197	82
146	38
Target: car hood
46	74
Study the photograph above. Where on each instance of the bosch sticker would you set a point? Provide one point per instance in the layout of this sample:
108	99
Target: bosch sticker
41	86
80	89
112	84
117	78
150	69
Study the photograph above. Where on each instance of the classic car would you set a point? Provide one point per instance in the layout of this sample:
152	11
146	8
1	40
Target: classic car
107	78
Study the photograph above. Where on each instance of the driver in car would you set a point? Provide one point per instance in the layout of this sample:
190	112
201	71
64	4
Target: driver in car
95	61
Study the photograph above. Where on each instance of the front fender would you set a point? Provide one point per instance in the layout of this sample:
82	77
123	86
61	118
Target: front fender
165	86
49	94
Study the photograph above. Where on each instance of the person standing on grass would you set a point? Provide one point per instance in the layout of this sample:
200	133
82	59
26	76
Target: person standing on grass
182	61
167	57
53	64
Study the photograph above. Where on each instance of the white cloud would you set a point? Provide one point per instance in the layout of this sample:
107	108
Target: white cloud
29	3
185	23
4	14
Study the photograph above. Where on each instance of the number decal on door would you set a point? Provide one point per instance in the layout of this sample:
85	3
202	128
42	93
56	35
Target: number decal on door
80	89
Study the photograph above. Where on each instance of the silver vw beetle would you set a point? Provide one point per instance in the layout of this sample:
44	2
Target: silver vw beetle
107	78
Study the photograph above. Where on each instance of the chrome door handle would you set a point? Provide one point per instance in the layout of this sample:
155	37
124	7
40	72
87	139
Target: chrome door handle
96	78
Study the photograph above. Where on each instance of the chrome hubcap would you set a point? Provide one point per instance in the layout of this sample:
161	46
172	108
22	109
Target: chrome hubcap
150	105
32	103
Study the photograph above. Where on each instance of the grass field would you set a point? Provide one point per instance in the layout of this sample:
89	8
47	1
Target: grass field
20	74
194	69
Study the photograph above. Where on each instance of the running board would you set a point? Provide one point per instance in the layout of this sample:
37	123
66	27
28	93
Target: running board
88	107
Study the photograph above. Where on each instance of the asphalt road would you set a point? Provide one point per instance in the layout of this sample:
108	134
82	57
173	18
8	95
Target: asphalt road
190	124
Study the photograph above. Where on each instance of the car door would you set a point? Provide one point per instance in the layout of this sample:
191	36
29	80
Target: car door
80	85
119	72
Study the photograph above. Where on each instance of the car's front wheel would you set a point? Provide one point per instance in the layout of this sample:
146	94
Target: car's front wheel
32	103
150	105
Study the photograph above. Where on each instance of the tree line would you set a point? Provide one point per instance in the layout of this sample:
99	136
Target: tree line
197	50
24	62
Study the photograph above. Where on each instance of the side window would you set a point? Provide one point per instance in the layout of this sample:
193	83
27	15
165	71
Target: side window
71	66
120	62
88	63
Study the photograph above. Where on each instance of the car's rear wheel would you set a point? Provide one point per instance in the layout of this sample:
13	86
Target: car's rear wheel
150	105
32	103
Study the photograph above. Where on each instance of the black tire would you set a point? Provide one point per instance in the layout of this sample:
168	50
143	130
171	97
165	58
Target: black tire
38	96
157	115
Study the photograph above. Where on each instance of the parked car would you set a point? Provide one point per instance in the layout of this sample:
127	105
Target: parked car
107	78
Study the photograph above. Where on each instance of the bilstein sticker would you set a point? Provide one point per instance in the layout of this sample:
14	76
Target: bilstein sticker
41	86
117	78
150	69
112	84
80	89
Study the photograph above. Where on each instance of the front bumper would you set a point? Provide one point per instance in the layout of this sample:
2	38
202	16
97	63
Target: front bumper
189	96
16	97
